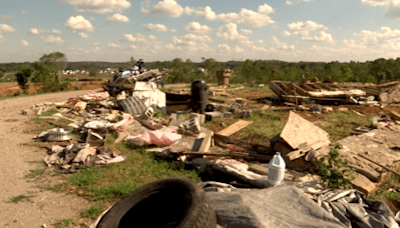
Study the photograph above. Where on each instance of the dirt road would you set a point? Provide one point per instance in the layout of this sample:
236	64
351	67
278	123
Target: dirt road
45	207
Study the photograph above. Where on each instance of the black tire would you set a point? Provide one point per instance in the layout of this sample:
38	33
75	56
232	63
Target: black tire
167	203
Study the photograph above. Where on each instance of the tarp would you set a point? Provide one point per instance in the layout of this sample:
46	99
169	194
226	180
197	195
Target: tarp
278	207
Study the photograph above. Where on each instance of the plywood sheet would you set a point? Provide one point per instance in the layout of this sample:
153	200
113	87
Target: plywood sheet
298	131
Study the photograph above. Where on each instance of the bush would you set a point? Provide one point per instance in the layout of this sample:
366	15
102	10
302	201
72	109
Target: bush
334	170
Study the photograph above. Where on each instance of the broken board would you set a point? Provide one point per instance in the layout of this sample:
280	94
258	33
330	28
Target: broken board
298	131
232	129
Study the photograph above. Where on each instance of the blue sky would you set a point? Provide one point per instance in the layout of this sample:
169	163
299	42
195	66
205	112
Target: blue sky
115	30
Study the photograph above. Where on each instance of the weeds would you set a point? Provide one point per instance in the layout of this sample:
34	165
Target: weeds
94	211
334	170
117	180
85	177
20	198
340	124
64	223
50	112
36	174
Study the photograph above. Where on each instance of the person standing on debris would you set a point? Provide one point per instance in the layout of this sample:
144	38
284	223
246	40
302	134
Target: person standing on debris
140	64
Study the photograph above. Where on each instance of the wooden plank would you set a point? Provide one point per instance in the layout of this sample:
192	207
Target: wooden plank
238	125
273	85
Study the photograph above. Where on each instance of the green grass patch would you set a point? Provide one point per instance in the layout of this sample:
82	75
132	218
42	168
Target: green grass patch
266	123
112	191
37	120
117	180
85	177
20	198
37	173
50	112
64	223
94	211
340	124
53	188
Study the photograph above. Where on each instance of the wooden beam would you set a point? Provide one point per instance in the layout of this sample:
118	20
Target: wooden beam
238	125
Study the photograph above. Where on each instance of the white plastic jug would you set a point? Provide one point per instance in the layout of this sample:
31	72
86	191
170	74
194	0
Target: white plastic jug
276	170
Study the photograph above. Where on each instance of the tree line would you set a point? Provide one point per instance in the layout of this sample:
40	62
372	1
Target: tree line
251	72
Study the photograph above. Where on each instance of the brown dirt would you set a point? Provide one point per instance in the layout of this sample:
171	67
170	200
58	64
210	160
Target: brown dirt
7	89
45	207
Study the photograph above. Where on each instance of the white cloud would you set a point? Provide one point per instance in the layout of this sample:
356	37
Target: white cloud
83	35
246	31
305	26
139	38
79	23
171	8
53	40
166	8
252	18
238	50
114	45
55	31
383	33
1	39
303	29
36	31
155	27
229	32
288	2
260	41
376	2
173	30
282	46
392	7
24	43
22	12
197	28
322	37
99	6
194	37
6	28
223	48
118	18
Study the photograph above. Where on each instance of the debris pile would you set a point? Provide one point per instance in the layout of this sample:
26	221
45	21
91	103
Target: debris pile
336	93
137	112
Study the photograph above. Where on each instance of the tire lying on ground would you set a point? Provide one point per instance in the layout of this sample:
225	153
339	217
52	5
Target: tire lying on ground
167	203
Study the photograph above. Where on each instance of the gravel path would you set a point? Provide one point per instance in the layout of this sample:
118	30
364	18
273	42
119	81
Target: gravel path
15	162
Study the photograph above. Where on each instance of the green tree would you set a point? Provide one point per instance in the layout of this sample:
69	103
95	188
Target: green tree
93	73
211	65
55	62
22	77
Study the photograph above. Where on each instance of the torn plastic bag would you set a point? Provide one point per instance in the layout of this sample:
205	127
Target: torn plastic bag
355	210
278	207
